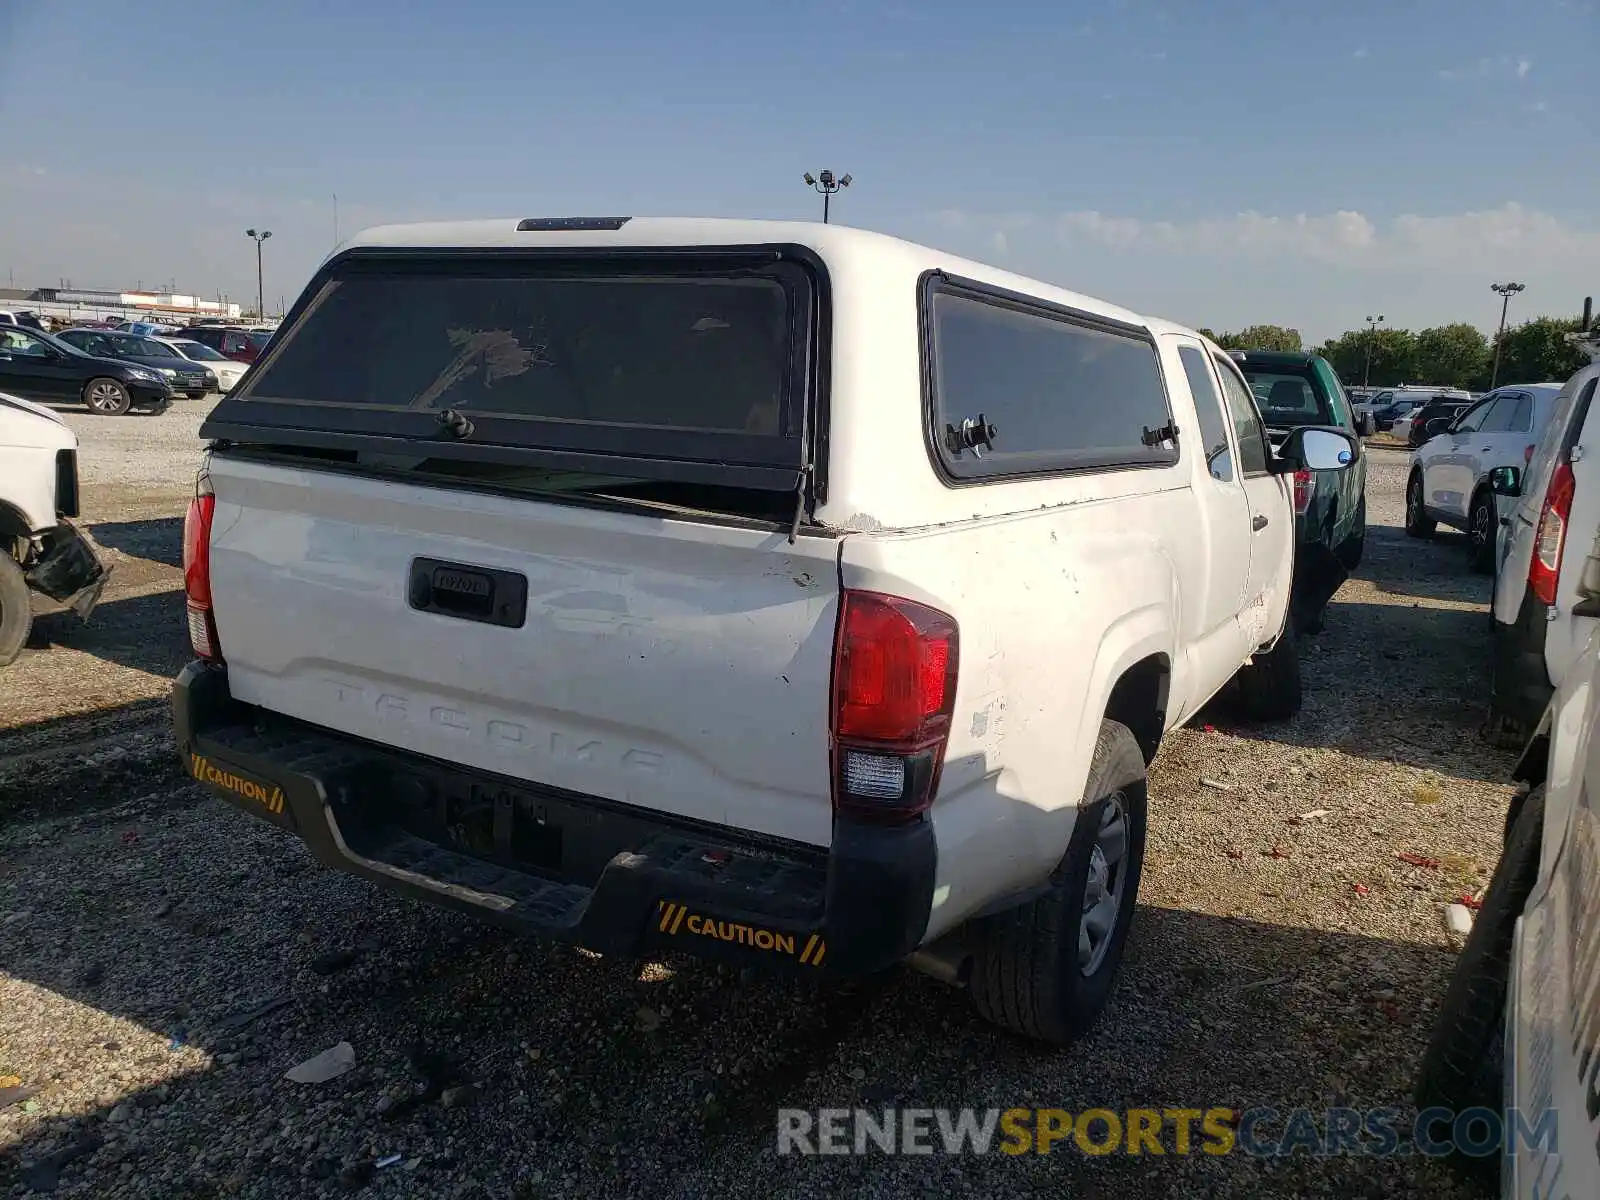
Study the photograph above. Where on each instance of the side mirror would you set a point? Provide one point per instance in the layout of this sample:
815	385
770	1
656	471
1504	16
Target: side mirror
1316	448
1506	481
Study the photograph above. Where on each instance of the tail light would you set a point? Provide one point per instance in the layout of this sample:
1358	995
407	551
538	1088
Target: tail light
1544	569
1302	491
197	570
1527	453
894	689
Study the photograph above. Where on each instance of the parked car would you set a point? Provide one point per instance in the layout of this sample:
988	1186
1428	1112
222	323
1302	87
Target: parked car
1449	481
1536	623
1385	417
900	750
226	370
190	378
1294	390
241	345
1518	1031
43	367
1413	426
43	551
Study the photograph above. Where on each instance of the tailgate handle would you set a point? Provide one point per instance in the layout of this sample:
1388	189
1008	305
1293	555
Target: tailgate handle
467	592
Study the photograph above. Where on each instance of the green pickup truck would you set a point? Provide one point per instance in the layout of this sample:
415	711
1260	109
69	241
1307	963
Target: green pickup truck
1330	506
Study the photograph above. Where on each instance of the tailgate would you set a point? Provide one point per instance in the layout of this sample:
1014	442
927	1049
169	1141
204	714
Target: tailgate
661	662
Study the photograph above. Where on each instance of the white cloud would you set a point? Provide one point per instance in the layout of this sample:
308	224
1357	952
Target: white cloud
1362	52
1511	233
1504	66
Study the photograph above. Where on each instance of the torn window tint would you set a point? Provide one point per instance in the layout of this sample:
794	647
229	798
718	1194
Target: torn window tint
687	352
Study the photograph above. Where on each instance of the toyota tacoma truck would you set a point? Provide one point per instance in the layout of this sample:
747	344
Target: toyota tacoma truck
43	551
784	593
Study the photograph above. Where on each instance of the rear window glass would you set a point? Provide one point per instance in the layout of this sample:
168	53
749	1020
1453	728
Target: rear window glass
707	354
1289	398
1056	393
702	358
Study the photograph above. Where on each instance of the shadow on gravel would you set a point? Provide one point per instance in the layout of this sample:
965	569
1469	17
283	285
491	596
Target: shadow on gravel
1423	568
229	957
1391	683
159	540
148	633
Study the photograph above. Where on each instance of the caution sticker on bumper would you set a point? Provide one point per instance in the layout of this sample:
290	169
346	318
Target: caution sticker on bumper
678	921
203	769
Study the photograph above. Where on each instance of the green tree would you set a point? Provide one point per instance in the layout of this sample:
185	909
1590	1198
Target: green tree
1394	356
1265	337
1452	355
1258	337
1537	352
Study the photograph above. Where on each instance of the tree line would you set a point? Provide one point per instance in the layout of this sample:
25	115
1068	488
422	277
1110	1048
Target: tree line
1456	355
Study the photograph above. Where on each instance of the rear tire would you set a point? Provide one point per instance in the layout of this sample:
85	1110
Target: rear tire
1269	686
1480	533
16	610
108	397
1463	1065
1418	523
1031	972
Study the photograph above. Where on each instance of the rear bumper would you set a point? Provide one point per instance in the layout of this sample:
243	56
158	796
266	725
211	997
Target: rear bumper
1521	688
612	878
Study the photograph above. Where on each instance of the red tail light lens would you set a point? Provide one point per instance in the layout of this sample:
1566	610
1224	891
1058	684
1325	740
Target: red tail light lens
1302	491
894	689
1527	453
1544	569
197	572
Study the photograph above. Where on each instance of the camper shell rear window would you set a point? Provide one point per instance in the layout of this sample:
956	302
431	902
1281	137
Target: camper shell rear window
700	366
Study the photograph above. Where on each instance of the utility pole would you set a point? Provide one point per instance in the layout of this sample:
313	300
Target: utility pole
1505	291
1372	337
826	185
261	299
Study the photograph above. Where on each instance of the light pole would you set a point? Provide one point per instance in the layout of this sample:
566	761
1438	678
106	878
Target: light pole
826	185
258	238
1505	291
1372	336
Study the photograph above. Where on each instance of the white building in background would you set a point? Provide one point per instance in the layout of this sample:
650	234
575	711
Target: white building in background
78	304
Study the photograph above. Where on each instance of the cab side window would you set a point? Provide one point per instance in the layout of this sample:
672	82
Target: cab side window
1211	411
1247	427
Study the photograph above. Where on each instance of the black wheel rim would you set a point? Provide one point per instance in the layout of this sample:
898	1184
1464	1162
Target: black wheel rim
1479	534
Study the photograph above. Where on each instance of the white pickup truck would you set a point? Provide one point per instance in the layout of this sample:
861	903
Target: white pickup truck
784	593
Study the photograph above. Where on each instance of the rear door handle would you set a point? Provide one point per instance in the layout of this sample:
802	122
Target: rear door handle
1258	523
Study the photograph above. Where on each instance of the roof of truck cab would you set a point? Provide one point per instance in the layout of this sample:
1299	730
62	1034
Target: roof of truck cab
830	241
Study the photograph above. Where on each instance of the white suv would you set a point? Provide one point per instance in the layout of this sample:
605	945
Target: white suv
1536	628
1450	472
785	593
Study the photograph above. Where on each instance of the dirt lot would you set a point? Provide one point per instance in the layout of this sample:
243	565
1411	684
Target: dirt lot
142	925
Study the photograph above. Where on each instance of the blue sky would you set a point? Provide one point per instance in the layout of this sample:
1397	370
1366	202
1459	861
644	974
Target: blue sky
1222	163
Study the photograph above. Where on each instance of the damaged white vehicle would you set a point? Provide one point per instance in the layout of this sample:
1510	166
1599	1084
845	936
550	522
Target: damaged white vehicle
44	551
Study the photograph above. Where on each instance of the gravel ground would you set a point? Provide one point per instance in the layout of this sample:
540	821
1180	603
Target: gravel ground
141	925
